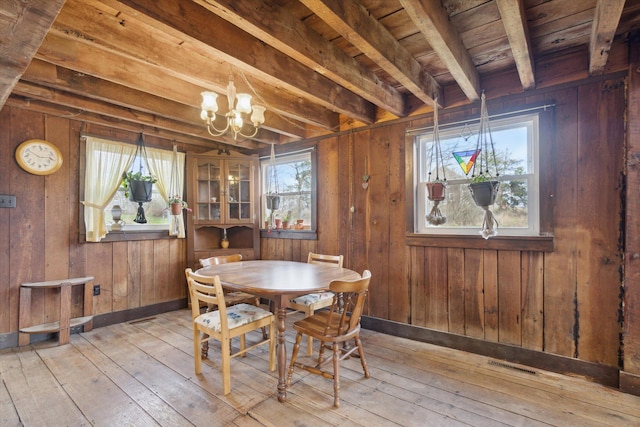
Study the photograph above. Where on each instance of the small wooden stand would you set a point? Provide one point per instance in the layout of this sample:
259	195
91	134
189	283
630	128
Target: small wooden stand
63	327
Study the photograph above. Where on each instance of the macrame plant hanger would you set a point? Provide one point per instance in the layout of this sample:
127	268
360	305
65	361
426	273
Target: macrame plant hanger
436	189
141	152
273	198
484	187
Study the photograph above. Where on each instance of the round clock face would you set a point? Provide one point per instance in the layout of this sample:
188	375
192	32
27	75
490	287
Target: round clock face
39	157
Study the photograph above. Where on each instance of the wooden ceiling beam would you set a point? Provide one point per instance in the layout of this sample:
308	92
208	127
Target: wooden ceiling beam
277	26
23	26
81	57
64	79
517	29
34	92
603	30
17	101
238	48
119	34
358	27
433	22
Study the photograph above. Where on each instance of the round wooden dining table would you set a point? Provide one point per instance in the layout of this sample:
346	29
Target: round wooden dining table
278	281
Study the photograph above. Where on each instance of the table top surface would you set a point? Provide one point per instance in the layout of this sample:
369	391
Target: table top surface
267	277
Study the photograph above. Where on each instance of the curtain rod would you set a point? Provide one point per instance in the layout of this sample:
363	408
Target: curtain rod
492	116
288	153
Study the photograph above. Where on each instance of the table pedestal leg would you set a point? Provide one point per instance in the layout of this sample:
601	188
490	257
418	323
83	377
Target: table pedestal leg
281	352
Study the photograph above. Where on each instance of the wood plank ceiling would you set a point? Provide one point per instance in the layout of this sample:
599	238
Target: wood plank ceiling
318	65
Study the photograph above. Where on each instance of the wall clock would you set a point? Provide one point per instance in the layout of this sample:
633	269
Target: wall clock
39	157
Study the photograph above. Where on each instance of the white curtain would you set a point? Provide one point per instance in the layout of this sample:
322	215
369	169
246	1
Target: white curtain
106	161
168	167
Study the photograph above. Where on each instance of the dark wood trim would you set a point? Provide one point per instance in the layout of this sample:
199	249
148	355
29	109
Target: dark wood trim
606	375
630	383
10	340
289	234
510	243
138	313
122	236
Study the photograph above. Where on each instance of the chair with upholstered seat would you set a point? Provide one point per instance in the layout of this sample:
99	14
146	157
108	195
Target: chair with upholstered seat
309	303
225	323
235	297
230	297
334	327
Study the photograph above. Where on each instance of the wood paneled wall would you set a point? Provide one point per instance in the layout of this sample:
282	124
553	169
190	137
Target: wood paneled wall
566	301
39	239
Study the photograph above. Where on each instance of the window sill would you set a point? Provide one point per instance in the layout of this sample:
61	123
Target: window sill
289	234
511	243
129	235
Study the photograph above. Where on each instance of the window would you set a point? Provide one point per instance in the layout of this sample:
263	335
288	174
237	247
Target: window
155	211
293	178
517	204
105	163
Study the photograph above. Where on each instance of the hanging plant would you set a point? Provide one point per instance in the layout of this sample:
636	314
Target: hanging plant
272	196
138	187
483	187
436	188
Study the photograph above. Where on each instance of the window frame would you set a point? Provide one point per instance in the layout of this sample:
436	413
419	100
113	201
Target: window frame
139	232
307	234
544	242
531	122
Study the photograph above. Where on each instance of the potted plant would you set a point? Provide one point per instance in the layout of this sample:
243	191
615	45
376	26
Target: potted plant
138	187
176	205
436	190
483	190
273	201
285	221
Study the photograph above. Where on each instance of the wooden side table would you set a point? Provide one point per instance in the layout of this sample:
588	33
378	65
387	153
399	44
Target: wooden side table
63	327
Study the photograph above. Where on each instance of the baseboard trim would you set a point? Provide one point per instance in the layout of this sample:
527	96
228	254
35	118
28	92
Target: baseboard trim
10	340
606	375
630	383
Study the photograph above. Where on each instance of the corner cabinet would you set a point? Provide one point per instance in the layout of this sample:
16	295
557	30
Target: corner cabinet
222	191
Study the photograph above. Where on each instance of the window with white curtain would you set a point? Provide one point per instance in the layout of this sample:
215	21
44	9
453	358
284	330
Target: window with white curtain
106	161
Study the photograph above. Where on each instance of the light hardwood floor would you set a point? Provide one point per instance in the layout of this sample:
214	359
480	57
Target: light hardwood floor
141	373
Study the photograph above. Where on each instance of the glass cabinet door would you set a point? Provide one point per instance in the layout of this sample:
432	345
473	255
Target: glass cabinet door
209	185
239	191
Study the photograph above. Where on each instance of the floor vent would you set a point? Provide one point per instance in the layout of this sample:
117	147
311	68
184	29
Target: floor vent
515	368
146	319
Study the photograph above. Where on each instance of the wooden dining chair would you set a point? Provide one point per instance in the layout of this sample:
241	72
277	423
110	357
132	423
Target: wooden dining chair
309	303
225	323
230	297
334	327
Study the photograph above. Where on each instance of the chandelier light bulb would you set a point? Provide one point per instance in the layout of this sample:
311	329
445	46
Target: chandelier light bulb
257	117
244	103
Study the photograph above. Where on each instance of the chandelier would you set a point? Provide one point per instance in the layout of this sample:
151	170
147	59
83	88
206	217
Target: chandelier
239	104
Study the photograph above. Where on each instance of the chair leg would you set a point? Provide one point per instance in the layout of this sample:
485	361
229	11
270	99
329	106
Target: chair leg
243	345
294	355
226	365
264	329
336	375
197	356
362	359
309	346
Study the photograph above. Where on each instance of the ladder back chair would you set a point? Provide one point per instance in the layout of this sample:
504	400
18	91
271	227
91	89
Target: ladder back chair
309	303
225	323
230	297
334	327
